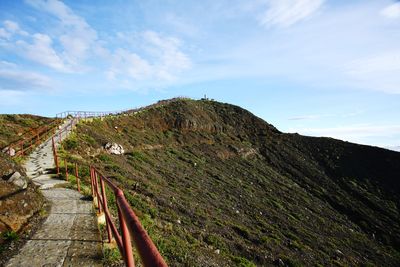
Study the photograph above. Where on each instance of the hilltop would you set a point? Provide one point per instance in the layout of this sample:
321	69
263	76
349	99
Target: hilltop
215	185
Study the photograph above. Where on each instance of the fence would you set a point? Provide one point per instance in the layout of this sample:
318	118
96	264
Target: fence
86	114
101	114
30	139
129	224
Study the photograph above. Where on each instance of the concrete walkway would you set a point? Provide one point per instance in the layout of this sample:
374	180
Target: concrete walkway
69	236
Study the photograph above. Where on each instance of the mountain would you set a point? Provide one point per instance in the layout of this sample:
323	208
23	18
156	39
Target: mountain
215	185
394	148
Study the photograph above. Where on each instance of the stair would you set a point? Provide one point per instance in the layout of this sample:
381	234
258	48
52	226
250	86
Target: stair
69	236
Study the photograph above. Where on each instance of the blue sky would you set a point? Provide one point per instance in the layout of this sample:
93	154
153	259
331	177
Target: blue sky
316	67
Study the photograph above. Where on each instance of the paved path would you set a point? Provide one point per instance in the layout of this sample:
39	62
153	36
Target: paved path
69	236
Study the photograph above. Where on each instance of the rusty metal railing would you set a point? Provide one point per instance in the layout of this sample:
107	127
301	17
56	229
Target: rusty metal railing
130	227
30	139
101	114
87	114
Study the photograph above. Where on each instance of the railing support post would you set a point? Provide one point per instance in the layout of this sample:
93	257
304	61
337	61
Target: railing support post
92	181
66	169
78	184
103	193
96	188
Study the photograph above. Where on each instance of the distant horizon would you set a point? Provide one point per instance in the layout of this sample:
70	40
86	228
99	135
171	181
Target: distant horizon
316	67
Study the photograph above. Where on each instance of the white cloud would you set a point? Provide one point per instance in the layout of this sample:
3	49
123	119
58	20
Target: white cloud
392	11
378	72
284	13
11	26
130	64
4	34
41	51
160	60
166	50
78	39
305	117
12	78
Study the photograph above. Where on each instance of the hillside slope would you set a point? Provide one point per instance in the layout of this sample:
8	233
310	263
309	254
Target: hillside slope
13	126
18	206
216	186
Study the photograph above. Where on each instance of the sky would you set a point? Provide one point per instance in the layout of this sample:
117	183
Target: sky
315	67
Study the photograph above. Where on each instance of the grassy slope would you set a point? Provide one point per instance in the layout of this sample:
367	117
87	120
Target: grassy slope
13	126
205	176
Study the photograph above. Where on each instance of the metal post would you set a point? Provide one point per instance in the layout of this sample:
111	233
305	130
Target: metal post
103	193
92	181
126	239
96	187
66	169
77	177
57	166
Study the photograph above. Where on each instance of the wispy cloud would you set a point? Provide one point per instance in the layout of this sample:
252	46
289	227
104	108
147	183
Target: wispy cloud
284	13
41	51
391	11
305	117
12	78
161	60
378	72
73	42
78	39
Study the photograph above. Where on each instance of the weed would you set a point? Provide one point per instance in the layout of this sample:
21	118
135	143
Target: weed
243	262
10	235
111	256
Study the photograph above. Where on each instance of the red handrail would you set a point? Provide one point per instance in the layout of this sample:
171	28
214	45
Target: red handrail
30	139
129	223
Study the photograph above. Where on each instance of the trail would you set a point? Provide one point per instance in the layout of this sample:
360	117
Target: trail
69	236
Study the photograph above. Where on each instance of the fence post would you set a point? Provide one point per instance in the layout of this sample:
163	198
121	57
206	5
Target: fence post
91	182
77	177
96	188
66	169
126	239
103	192
55	156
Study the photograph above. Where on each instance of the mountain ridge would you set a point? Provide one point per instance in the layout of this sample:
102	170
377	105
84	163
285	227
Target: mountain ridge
212	181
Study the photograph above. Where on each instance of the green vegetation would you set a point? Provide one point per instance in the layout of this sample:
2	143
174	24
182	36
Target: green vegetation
111	256
9	236
13	126
215	185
